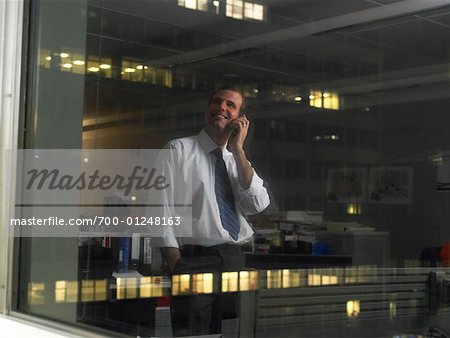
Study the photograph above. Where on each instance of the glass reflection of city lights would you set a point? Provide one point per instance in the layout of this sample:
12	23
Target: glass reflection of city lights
206	284
326	94
93	69
244	281
129	70
87	290
78	62
230	281
256	90
140	67
184	283
60	291
36	293
353	209
105	66
329	280
191	4
150	287
216	3
274	278
314	279
436	159
311	97
286	282
48	58
297	98
145	67
64	55
392	310
67	65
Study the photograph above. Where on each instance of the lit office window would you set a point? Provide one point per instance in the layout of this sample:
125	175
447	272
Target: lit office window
392	310
274	279
234	9
200	5
230	281
291	278
248	280
151	287
353	308
330	101
253	11
36	293
136	71
126	288
314	279
96	66
45	58
202	283
247	10
329	280
78	64
181	284
326	99
353	209
91	290
66	291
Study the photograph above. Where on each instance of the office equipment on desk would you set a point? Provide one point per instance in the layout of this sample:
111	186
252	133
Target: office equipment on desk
297	231
311	217
348	227
266	240
365	247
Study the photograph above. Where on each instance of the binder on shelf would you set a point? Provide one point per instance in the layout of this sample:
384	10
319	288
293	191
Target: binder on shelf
135	251
123	254
146	256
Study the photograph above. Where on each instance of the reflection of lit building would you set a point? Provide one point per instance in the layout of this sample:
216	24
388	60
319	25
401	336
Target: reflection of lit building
308	172
236	9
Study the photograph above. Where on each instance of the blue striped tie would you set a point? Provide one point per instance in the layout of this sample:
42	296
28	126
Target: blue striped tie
224	197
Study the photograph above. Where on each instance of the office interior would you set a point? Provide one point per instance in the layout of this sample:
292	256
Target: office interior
348	103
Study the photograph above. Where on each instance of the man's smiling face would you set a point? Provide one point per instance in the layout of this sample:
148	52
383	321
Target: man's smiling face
222	109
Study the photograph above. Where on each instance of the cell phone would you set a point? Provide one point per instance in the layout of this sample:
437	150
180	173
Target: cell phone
234	129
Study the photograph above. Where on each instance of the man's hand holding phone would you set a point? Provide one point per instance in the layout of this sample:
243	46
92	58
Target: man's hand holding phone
238	133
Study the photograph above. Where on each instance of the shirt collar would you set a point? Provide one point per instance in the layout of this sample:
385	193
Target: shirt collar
208	143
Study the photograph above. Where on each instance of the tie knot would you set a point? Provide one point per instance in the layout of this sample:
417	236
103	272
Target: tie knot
217	153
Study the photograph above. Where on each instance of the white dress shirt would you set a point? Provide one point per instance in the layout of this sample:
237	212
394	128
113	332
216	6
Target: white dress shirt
191	166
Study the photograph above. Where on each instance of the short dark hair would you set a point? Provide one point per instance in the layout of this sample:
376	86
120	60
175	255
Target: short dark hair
234	89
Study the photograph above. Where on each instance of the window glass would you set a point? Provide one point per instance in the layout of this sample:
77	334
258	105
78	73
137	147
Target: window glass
348	106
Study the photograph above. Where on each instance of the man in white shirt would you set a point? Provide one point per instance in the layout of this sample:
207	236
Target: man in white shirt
225	187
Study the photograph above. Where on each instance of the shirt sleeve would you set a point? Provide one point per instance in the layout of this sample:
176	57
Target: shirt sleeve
168	163
254	199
